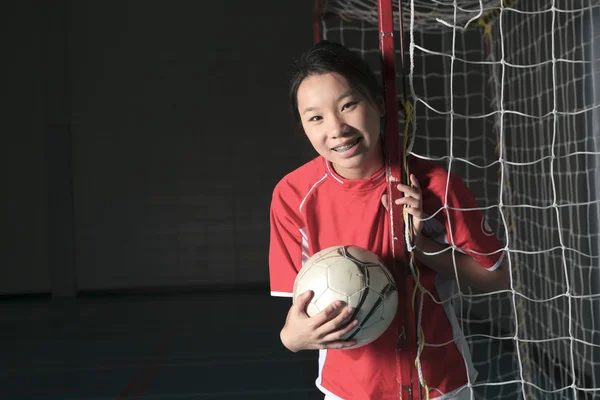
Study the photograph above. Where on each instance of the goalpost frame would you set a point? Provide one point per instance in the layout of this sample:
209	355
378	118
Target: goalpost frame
409	384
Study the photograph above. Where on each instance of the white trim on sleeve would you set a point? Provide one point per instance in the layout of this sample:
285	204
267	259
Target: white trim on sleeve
497	265
282	294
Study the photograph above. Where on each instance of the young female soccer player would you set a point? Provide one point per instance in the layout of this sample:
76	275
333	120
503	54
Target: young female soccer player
338	198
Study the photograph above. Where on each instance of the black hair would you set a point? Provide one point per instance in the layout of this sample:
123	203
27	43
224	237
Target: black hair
329	57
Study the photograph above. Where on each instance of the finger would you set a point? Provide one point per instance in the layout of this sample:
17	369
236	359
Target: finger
302	301
409	201
410	191
340	321
415	181
328	314
340	331
415	212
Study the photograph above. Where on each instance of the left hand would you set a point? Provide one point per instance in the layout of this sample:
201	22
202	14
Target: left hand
413	203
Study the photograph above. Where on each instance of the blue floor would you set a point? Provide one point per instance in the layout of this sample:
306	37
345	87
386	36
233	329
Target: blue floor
214	346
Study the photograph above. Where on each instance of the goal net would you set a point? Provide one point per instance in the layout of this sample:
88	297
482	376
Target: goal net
507	95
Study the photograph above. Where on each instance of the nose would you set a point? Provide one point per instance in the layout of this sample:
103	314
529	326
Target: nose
337	127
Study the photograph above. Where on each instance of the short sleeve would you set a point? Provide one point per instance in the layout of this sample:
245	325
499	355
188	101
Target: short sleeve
285	248
467	227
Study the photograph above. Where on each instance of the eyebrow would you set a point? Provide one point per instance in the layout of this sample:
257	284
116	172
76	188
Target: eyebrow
344	95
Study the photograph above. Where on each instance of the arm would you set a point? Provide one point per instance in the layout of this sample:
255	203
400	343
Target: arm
468	269
301	332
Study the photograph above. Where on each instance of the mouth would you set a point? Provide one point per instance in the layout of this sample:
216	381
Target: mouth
347	146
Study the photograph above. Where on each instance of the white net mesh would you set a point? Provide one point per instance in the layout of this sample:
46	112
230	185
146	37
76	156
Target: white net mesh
512	104
459	13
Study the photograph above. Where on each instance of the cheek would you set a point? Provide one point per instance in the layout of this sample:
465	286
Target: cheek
313	137
373	126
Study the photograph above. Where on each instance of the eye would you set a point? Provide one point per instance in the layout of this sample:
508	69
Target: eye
315	118
349	105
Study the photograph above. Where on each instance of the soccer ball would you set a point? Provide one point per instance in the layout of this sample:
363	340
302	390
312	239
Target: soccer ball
358	278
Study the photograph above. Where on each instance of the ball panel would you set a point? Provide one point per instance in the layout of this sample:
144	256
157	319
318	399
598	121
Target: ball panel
352	334
370	333
355	299
312	309
364	303
387	273
314	278
363	255
371	309
328	297
345	276
379	280
326	257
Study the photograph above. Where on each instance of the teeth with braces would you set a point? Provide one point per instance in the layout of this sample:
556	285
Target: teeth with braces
344	148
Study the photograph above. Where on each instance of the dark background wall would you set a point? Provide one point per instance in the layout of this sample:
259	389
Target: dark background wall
143	140
23	262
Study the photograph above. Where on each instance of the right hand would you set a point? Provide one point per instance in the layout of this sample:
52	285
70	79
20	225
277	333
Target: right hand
321	331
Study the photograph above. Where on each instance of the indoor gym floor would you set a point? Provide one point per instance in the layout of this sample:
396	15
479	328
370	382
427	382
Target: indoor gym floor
186	346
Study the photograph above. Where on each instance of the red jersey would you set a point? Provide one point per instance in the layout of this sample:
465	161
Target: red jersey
314	208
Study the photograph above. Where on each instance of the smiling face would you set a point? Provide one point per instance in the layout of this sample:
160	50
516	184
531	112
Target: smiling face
341	124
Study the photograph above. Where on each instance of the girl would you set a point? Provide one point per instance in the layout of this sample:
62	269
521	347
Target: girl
338	198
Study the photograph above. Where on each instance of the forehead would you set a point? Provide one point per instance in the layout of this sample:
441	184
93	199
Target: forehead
322	88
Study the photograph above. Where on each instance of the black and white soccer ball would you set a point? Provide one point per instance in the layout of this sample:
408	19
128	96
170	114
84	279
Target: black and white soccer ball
357	277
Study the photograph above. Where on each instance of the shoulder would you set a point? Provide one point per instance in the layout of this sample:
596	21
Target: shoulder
432	177
291	190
